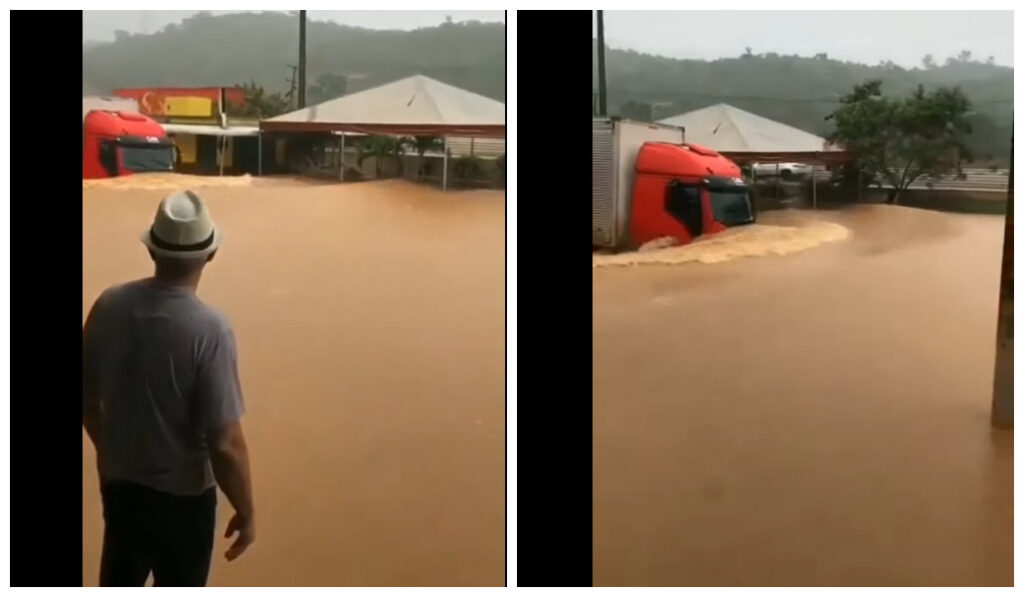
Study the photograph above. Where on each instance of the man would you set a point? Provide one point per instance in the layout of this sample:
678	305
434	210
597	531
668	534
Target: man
162	403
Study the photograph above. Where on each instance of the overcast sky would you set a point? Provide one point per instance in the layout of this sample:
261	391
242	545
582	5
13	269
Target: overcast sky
99	25
859	36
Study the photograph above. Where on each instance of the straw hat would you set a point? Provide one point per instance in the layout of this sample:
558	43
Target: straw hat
182	228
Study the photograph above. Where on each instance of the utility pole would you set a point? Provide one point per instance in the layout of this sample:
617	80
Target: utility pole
290	96
602	98
302	59
1002	392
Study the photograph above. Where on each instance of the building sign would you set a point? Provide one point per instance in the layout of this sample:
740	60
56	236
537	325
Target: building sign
163	103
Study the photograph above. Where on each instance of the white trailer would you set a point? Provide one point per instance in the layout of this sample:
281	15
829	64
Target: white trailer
614	148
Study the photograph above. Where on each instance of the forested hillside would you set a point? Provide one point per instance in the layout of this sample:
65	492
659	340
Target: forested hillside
207	50
801	91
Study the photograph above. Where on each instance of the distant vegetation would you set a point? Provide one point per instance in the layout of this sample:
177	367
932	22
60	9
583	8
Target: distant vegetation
802	91
207	50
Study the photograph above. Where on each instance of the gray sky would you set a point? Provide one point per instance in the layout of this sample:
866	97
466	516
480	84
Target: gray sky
859	36
99	25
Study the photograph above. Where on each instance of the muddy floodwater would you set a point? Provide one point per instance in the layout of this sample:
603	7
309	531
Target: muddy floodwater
813	418
370	322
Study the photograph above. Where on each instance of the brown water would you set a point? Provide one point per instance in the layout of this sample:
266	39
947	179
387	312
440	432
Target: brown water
370	321
819	418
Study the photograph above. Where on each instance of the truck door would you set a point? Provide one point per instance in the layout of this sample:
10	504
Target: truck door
683	203
108	157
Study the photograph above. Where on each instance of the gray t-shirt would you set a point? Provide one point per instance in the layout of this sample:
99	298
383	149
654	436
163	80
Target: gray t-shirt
165	369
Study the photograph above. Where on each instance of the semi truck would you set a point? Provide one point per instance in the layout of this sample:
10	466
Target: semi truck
118	143
649	184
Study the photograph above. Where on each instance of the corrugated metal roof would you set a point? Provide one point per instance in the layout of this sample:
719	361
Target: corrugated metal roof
480	147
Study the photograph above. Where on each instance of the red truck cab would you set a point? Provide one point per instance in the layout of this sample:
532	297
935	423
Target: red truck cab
122	143
684	191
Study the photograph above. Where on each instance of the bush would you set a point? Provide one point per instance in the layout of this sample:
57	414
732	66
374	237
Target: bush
468	168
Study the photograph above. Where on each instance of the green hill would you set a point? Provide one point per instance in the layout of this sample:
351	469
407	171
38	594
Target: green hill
207	50
802	91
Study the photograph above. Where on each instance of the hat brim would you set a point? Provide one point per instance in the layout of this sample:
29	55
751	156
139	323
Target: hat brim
162	252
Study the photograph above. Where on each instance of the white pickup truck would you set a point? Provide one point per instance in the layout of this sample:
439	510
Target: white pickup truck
784	170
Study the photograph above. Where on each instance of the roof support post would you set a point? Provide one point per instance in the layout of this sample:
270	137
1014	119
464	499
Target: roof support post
444	174
341	159
814	185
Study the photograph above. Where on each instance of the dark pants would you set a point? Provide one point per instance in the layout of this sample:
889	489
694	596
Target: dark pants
152	531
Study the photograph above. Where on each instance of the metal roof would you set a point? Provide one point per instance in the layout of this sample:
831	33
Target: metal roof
416	105
727	129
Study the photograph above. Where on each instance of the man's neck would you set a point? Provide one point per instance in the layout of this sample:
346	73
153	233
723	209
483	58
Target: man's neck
190	283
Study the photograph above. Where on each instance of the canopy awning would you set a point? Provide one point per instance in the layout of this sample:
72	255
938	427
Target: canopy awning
743	136
415	106
211	129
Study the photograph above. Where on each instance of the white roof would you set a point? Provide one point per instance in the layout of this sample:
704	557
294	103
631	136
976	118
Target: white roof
114	104
210	129
416	101
728	129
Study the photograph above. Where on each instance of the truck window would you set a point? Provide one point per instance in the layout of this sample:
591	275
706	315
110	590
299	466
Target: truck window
683	204
731	207
156	158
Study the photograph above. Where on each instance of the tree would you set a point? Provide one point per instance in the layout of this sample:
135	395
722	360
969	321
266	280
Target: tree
258	103
421	145
381	147
328	86
964	57
990	61
928	62
900	140
749	53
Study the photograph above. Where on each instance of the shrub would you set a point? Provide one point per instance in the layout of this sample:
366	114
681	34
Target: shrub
468	168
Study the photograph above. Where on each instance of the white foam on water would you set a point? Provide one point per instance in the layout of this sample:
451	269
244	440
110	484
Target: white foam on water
165	181
755	240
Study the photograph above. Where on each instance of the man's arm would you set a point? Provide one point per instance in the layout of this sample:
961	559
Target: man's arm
230	458
92	420
220	399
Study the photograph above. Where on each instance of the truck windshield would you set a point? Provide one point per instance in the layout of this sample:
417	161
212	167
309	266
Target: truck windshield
155	158
731	207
